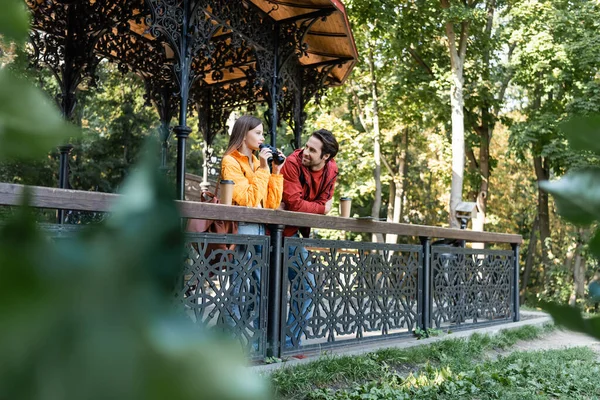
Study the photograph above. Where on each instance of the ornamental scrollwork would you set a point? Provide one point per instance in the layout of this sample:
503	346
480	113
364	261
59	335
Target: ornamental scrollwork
188	33
64	37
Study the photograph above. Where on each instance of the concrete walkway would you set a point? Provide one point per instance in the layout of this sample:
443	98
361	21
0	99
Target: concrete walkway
557	339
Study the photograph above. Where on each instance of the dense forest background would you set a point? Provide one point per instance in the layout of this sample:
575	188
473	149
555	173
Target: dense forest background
515	68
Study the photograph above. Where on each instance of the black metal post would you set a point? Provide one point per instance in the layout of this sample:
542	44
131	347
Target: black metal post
274	88
424	296
298	116
517	315
164	108
182	131
274	291
70	78
164	145
205	127
63	175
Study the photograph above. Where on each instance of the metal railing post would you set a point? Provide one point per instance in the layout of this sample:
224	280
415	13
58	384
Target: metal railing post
63	177
274	292
516	305
424	296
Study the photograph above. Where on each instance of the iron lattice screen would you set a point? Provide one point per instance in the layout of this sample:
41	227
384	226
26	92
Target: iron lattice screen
226	288
57	231
470	286
342	291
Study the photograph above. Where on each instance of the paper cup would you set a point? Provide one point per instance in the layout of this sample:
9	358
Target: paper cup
226	191
345	205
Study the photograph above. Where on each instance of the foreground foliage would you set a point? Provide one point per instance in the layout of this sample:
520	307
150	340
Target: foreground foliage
90	317
577	197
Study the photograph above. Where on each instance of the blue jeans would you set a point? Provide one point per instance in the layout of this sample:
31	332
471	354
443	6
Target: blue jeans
246	286
301	305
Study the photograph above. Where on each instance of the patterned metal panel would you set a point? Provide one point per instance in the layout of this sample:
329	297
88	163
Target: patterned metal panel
58	231
342	291
74	217
470	286
225	289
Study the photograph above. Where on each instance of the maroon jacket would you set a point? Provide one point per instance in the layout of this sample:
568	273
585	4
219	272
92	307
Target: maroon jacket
302	193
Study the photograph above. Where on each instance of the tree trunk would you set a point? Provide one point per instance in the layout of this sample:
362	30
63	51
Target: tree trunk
542	171
484	173
578	275
457	51
488	122
403	169
529	259
398	187
488	119
392	195
377	237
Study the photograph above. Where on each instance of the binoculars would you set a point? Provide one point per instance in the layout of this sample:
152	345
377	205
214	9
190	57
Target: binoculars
275	156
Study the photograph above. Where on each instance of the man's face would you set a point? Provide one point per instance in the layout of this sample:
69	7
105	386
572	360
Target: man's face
313	157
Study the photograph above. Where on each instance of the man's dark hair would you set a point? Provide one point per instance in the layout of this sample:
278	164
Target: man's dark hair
330	145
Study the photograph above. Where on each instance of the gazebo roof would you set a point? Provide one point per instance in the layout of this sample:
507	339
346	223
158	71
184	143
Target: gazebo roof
328	40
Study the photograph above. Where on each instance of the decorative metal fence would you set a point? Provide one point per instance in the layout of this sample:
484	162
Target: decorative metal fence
60	231
224	286
471	286
338	292
335	293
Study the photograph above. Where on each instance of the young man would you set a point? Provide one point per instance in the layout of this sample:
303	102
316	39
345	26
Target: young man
309	176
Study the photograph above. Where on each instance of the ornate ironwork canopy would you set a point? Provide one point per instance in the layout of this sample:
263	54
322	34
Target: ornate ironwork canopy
212	54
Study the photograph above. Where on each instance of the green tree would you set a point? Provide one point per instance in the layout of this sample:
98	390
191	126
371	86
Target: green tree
555	63
115	121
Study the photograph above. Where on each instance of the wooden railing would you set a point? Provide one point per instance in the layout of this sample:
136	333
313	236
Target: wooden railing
44	197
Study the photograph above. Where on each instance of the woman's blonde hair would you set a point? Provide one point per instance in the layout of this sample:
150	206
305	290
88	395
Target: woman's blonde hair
242	125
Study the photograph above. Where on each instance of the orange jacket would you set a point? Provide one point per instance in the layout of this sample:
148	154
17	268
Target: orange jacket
258	188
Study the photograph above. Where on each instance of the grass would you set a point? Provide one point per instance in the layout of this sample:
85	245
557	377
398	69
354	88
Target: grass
345	374
568	374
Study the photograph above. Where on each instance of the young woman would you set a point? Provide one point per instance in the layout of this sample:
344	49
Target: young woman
255	186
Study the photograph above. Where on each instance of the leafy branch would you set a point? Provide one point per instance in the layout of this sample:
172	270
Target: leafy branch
577	197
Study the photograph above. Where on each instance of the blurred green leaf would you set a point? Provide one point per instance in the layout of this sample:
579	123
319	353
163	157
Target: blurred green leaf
577	195
571	318
30	125
594	290
14	20
594	244
92	317
583	132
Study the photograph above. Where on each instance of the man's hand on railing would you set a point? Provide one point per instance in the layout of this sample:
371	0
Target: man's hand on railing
328	205
281	206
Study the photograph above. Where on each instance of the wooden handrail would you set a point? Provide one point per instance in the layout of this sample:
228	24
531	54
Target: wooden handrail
44	197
